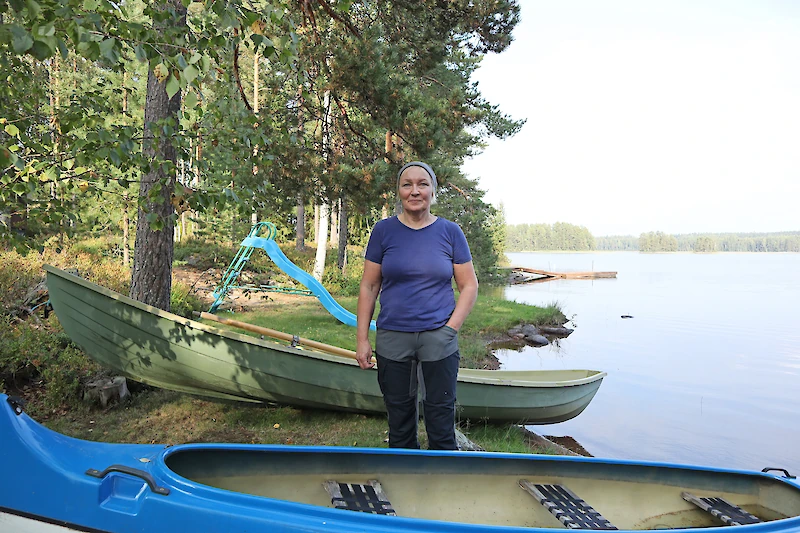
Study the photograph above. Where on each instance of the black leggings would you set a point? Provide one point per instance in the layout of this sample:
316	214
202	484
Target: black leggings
399	385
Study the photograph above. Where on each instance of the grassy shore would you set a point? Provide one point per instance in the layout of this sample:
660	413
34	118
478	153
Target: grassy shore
41	364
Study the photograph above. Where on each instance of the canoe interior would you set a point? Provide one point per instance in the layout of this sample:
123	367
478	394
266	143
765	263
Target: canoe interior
485	490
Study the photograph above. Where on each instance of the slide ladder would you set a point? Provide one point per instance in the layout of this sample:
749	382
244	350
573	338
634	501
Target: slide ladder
268	244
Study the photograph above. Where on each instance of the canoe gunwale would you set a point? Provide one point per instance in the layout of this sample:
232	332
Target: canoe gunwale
163	471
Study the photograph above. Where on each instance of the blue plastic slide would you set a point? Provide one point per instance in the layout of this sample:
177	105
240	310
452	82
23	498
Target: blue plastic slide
279	258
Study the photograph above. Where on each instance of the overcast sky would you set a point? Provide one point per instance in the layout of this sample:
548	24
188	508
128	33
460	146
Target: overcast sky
648	115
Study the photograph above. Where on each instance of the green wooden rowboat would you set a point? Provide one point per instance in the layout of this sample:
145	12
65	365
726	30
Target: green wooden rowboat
168	351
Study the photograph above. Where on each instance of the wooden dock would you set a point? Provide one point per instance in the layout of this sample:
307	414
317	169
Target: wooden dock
526	275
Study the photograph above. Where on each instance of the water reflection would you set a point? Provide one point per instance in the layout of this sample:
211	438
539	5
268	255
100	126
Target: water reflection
704	373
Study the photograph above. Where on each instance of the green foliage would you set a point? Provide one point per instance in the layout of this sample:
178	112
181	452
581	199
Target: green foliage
203	253
72	124
461	201
500	438
559	236
704	244
36	350
86	138
785	241
657	242
30	351
617	243
184	302
347	282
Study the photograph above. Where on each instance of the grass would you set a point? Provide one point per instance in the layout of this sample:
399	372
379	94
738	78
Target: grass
39	362
166	417
160	416
490	318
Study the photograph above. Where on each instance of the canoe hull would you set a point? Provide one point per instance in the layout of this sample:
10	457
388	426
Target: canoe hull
237	487
22	523
168	351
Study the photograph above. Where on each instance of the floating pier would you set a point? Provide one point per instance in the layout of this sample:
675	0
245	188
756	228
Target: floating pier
534	275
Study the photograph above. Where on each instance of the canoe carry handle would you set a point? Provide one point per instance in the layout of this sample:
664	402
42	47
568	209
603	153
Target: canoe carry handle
150	480
16	404
785	472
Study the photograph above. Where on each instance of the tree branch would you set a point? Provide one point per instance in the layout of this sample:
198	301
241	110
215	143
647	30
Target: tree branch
236	73
347	120
335	16
456	187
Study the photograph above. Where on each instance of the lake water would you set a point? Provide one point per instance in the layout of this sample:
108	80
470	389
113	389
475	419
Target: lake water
706	372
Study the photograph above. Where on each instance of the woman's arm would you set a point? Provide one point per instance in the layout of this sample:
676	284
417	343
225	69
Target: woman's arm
467	284
367	295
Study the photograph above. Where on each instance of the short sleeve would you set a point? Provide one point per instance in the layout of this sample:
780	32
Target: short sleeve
374	251
461	253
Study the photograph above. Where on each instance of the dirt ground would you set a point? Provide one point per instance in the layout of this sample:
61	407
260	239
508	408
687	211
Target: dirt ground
203	282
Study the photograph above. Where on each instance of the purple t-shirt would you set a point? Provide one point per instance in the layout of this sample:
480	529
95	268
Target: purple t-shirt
417	272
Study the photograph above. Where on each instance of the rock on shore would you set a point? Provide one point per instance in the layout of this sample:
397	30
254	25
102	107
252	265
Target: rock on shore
535	336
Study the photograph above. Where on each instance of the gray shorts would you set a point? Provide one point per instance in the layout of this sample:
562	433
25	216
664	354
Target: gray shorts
424	346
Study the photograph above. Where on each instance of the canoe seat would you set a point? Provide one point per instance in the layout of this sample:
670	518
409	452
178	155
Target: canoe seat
728	513
368	498
570	510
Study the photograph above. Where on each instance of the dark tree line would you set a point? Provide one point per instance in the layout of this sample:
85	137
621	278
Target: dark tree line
657	241
568	237
702	243
558	236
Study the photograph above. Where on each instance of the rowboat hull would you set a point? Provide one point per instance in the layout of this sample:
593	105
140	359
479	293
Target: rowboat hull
61	483
172	352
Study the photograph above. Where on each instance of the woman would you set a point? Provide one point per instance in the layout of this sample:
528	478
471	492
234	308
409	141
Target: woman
411	260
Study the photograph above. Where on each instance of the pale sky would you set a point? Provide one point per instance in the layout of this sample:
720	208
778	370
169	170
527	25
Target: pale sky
679	116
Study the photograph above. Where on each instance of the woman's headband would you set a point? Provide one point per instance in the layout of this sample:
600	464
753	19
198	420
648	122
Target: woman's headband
427	168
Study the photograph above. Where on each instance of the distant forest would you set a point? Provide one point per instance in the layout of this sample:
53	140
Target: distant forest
559	236
562	236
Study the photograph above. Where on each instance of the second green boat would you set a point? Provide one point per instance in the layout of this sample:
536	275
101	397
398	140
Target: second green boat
165	350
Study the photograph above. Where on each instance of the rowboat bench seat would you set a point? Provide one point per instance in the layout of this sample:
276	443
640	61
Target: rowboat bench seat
726	512
568	508
368	498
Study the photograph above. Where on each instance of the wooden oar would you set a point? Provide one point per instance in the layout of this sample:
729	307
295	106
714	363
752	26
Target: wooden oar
279	335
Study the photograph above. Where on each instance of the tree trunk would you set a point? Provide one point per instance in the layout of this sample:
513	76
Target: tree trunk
316	222
126	219
55	131
151	277
322	242
126	223
342	259
388	159
334	225
325	208
255	83
300	229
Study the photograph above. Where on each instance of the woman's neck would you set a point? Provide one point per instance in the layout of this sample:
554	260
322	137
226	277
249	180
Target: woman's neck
416	220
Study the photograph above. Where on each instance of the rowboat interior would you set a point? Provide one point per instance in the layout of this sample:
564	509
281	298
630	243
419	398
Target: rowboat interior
543	492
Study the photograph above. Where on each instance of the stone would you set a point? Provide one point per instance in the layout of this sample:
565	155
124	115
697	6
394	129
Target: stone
560	331
107	390
537	340
530	334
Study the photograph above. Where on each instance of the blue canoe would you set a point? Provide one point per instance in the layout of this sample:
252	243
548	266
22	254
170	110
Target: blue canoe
54	483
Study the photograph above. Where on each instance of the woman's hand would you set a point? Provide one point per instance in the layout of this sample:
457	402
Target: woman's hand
368	294
364	354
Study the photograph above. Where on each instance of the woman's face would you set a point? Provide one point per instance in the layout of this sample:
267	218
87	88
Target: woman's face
415	189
